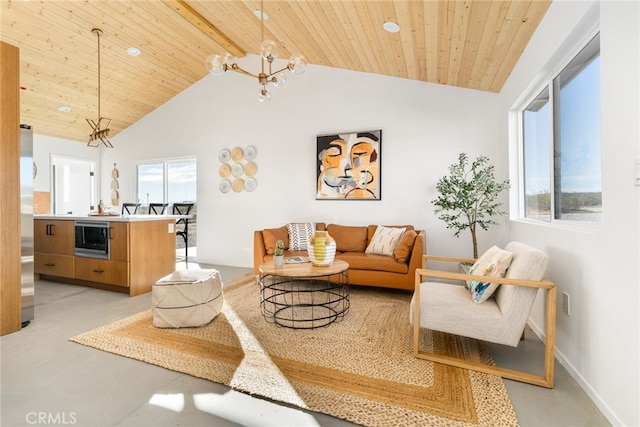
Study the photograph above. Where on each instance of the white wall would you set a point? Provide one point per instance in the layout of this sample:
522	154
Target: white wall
598	267
424	127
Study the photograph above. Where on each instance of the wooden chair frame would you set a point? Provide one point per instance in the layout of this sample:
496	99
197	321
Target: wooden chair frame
545	380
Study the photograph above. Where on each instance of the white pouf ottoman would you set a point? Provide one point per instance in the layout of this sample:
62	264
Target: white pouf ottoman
186	298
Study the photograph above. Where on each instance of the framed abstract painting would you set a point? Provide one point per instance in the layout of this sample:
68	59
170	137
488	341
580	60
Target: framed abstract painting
348	166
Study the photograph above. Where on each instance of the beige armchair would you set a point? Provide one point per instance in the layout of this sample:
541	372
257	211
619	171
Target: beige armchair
448	307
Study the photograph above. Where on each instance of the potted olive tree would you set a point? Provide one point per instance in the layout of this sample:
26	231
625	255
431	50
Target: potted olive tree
468	197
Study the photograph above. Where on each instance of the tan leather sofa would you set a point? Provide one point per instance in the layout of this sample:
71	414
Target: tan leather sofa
396	271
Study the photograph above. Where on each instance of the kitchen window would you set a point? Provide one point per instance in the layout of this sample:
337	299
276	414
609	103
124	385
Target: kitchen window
561	143
167	181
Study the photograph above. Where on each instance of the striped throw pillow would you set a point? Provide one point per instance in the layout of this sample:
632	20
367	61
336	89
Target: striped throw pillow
299	235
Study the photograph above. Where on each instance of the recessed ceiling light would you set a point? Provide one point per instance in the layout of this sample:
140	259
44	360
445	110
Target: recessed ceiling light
391	27
64	108
259	13
133	51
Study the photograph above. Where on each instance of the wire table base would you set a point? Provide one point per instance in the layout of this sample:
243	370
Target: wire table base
304	297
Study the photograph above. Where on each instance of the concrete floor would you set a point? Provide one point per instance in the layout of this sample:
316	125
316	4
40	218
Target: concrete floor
47	379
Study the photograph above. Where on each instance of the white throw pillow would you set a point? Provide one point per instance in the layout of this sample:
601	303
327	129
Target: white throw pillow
299	235
493	263
385	240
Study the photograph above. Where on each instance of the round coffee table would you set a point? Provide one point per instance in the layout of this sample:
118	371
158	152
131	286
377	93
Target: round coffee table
303	296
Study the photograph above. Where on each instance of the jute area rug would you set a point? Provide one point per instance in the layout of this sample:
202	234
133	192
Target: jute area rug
359	369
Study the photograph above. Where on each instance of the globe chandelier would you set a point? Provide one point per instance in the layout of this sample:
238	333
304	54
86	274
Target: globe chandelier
99	134
297	64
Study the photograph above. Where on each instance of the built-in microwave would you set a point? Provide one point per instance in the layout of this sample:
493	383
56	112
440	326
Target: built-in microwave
92	239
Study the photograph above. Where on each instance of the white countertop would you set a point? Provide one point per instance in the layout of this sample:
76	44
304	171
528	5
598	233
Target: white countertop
113	218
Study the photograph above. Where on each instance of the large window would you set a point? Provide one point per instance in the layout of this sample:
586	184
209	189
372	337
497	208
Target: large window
561	143
168	181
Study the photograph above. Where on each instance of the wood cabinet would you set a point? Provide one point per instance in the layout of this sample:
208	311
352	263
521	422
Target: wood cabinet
10	284
152	253
102	271
53	237
53	247
55	265
119	241
140	253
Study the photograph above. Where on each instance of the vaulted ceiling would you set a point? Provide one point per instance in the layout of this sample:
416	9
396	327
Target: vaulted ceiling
469	44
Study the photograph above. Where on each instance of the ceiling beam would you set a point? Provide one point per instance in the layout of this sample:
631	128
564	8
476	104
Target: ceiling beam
191	15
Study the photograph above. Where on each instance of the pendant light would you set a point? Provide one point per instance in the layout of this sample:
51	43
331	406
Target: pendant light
217	64
98	134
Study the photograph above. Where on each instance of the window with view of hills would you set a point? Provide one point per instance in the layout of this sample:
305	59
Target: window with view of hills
561	143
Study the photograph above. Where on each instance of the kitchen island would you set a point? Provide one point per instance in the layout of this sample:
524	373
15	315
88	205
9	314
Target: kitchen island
125	254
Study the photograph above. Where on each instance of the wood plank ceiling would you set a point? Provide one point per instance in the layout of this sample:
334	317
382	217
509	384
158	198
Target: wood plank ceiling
470	44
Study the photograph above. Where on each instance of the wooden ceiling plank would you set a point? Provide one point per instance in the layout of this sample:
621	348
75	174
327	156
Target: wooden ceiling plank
294	37
348	23
497	13
445	30
369	39
413	26
87	81
504	38
520	37
359	37
382	11
432	15
113	52
148	64
372	15
235	18
338	21
188	13
379	12
317	52
460	26
191	40
192	43
333	36
477	20
38	30
154	56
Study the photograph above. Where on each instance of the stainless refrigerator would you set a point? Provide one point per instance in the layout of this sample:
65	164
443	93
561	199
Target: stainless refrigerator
27	174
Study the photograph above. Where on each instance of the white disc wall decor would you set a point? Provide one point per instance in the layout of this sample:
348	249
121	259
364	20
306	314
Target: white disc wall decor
224	155
250	153
250	184
238	169
225	185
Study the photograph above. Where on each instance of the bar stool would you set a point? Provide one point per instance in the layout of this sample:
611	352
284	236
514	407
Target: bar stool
130	208
157	208
182	224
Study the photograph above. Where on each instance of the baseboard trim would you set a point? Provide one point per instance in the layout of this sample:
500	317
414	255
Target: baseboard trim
582	382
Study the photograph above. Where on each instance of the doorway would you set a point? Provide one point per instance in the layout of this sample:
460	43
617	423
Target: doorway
73	185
